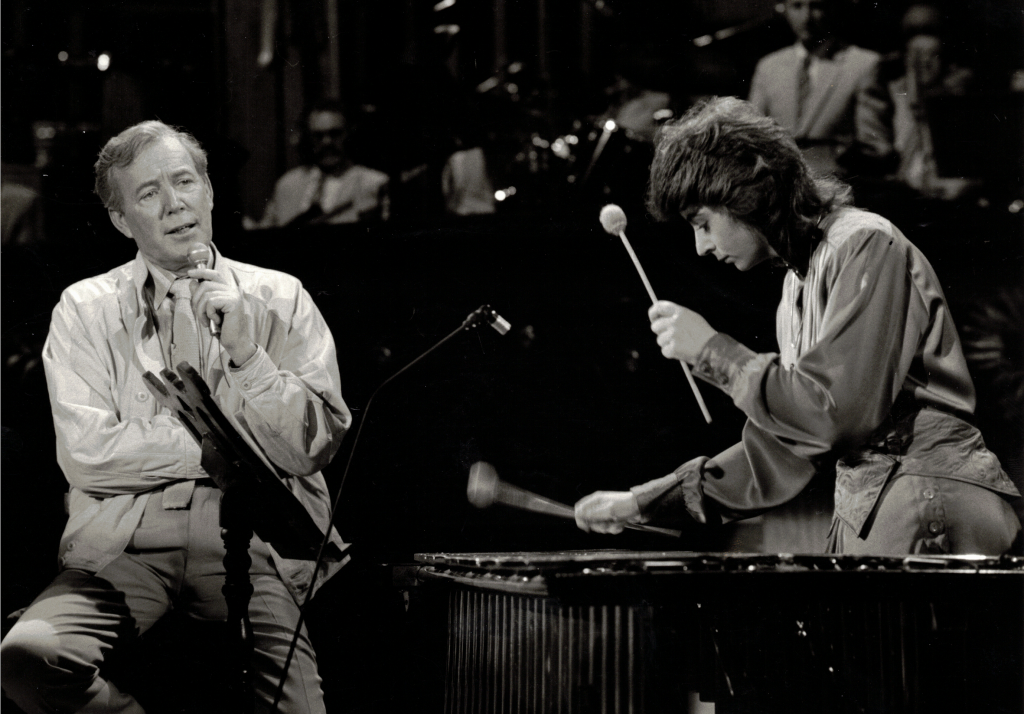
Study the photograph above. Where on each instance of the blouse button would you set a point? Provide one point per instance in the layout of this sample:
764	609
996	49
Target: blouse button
934	527
929	494
142	396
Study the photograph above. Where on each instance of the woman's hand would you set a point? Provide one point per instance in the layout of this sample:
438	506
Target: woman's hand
682	333
607	511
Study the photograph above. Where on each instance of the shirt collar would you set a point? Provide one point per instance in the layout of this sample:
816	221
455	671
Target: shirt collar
159	282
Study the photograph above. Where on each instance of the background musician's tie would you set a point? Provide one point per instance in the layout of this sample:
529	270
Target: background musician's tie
803	88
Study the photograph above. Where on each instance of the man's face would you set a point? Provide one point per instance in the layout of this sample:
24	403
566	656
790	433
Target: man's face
166	204
808	19
327	132
730	240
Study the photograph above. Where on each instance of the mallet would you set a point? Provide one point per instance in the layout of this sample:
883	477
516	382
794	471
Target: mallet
613	220
485	488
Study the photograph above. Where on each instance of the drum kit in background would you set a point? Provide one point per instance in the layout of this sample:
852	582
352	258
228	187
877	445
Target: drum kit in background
538	159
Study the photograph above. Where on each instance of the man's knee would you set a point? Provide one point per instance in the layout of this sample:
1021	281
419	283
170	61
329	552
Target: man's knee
27	655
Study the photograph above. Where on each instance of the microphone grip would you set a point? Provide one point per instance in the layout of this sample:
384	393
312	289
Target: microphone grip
201	265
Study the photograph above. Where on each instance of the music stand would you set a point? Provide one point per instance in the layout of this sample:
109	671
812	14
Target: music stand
255	500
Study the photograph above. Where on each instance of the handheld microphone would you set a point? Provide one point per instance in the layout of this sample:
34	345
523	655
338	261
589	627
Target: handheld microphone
613	220
199	256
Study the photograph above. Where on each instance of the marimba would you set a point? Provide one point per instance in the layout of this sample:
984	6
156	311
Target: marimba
619	631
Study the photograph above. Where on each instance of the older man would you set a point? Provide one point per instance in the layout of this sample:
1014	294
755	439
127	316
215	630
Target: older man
143	533
826	92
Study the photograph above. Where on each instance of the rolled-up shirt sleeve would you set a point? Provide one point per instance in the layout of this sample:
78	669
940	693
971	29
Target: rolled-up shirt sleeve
292	402
102	451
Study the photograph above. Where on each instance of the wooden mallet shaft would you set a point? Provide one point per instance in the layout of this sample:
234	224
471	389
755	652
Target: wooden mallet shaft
485	488
613	219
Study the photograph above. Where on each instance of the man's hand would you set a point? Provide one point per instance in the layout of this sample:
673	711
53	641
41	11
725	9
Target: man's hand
216	301
681	332
607	511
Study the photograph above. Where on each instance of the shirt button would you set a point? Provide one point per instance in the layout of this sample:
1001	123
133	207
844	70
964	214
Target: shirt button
71	546
928	493
935	527
142	396
245	385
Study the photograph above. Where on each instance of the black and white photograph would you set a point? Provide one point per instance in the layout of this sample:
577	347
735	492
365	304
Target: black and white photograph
512	356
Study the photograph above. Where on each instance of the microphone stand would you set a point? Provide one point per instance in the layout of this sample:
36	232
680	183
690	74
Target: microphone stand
484	313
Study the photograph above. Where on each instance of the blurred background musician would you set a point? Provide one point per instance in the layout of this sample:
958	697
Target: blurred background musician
330	188
929	72
826	92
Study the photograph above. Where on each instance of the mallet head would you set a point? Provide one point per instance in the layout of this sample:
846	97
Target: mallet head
613	219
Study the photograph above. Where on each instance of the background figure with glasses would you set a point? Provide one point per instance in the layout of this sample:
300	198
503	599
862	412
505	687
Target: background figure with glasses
331	189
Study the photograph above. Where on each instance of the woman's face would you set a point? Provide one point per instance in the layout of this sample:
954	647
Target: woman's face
730	240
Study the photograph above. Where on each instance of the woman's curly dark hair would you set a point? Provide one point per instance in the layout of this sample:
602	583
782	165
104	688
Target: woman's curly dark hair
723	154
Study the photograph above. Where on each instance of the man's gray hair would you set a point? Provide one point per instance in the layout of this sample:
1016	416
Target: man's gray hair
122	150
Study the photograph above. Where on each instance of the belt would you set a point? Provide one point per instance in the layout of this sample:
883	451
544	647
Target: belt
178	495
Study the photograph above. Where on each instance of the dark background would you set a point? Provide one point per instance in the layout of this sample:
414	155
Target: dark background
576	397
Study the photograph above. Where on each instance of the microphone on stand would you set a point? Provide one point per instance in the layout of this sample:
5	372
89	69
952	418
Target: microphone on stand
483	314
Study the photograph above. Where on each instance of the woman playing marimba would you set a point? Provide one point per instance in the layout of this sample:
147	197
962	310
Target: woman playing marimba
869	376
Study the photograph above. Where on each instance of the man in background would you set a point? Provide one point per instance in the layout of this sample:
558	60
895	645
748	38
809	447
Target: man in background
826	92
332	189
